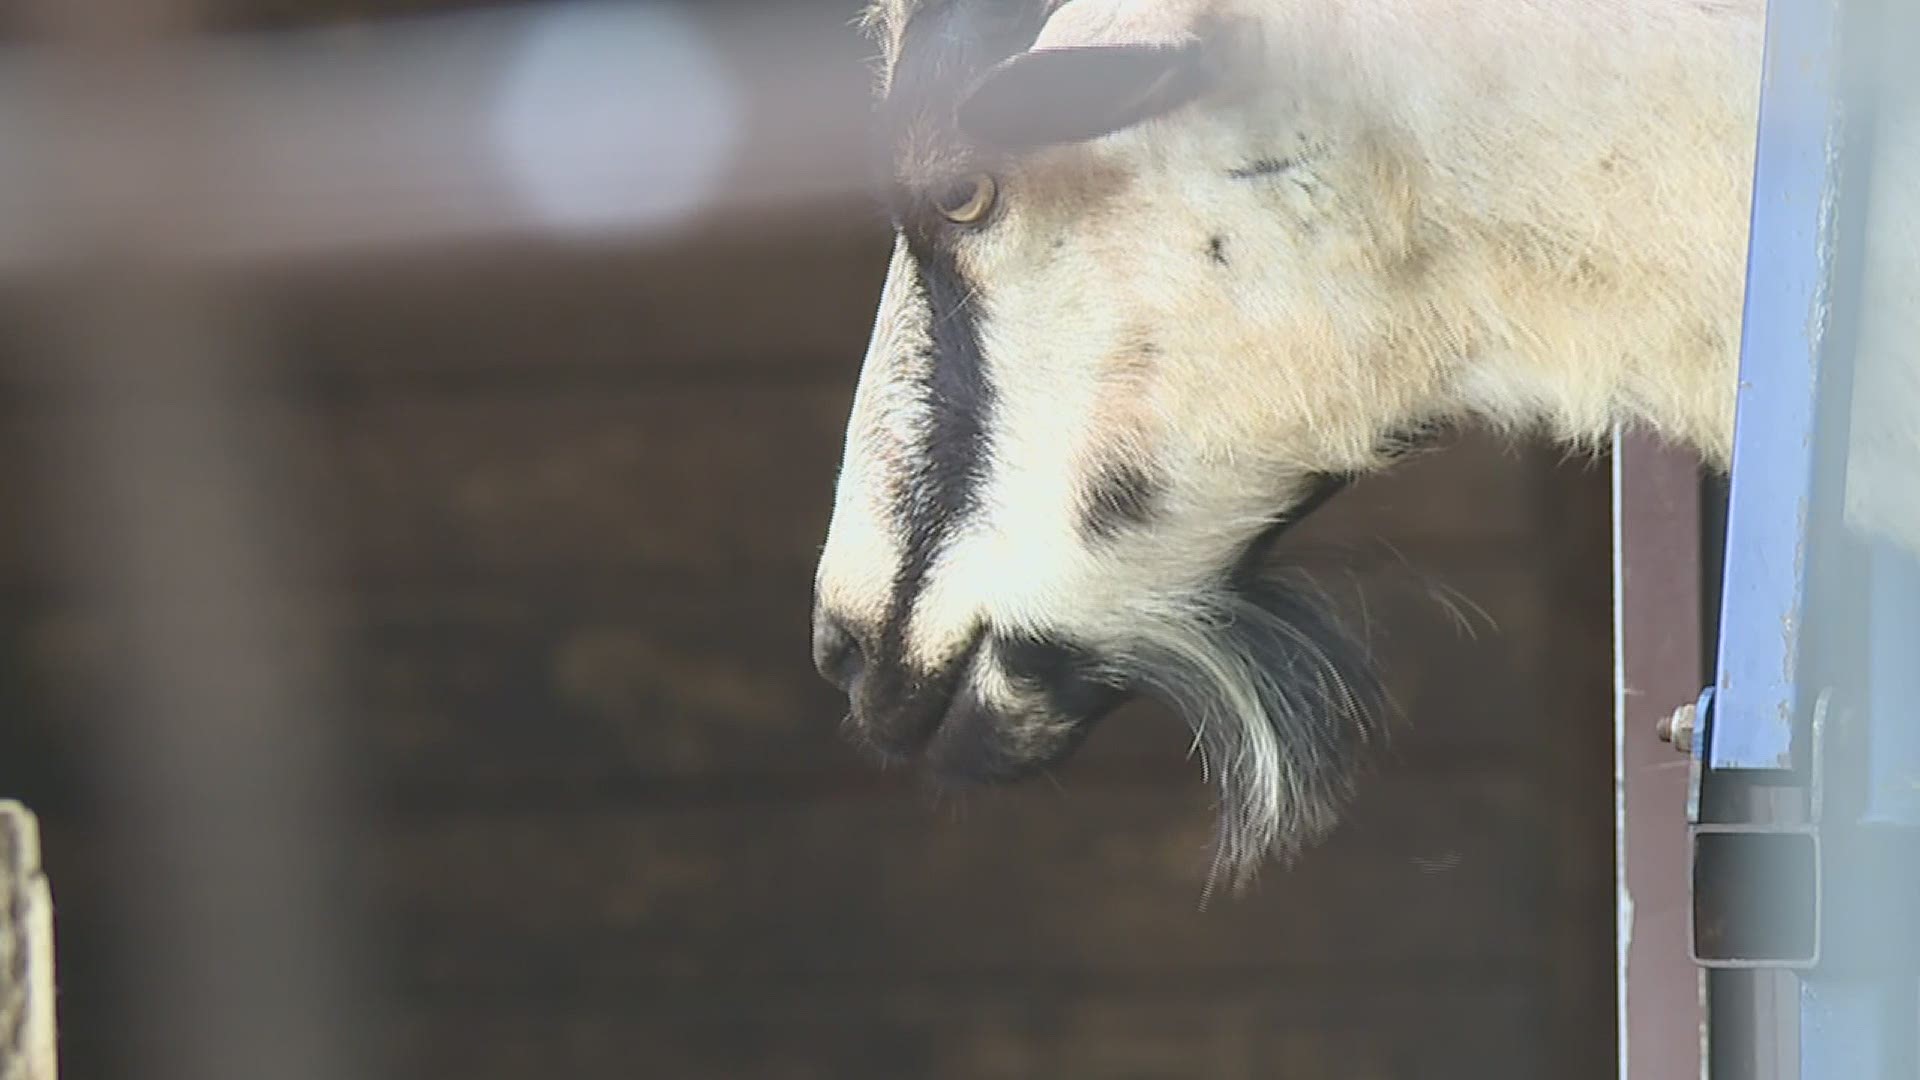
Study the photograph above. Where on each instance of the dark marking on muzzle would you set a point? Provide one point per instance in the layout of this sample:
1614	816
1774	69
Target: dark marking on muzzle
941	486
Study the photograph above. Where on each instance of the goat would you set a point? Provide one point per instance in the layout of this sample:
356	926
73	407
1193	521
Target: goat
1167	272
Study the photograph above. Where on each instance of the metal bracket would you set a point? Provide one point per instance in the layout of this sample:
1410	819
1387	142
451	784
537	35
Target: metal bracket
1758	890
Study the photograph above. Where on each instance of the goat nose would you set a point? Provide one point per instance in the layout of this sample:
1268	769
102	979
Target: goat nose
837	654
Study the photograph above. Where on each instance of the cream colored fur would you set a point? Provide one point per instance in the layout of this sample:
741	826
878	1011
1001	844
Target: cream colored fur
1531	214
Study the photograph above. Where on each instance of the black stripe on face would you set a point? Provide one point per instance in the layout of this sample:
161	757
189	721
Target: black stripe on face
933	486
950	464
947	45
938	490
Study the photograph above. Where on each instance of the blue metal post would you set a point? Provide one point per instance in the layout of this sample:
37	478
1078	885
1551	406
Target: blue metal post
1858	641
1852	1027
1858	1017
1893	697
1757	692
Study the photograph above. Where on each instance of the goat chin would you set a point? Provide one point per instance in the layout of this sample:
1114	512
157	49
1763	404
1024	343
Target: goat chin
1282	699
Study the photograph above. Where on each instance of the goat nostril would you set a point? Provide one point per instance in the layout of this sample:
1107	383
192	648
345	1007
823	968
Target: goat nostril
837	655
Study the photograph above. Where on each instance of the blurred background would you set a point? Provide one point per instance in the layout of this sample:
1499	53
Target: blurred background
419	425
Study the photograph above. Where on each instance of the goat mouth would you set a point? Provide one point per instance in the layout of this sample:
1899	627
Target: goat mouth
978	743
964	737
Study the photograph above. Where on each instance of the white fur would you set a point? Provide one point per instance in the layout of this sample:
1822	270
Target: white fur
1531	212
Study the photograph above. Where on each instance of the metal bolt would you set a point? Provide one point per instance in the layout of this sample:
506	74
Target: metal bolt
1678	728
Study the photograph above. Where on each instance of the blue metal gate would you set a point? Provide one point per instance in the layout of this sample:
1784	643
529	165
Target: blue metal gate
1817	689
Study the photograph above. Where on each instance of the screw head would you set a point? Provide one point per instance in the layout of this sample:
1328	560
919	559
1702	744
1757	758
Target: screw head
1677	728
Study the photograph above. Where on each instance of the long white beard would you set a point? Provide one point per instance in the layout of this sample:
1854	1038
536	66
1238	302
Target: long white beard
1282	700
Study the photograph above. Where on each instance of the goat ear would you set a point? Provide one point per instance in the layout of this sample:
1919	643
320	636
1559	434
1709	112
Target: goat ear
1067	94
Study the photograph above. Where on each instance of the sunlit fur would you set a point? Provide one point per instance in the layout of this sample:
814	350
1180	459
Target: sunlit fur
1385	217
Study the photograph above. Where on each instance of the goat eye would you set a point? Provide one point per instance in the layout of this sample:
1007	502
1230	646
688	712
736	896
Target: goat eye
967	201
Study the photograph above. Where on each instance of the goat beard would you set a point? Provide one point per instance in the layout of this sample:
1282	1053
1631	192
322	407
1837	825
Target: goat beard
1282	700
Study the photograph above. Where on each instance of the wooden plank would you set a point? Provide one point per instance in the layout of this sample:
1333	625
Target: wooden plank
796	301
684	921
417	133
1220	1029
1660	667
1088	882
1097	884
427	487
660	691
431	487
1225	1032
791	302
1575	510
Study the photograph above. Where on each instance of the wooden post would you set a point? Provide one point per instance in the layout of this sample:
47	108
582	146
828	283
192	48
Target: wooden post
26	951
1659	667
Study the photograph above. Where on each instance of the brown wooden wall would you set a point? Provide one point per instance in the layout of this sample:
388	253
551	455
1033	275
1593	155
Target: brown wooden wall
566	503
